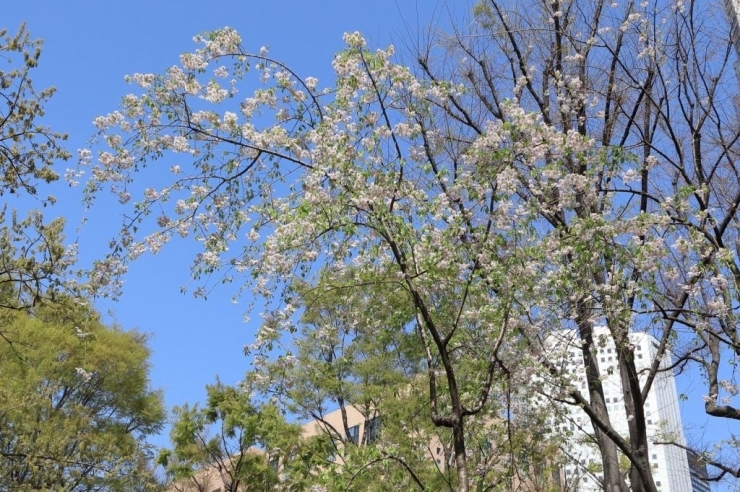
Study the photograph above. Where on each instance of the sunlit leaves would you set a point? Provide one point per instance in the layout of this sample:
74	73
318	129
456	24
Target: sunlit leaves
76	403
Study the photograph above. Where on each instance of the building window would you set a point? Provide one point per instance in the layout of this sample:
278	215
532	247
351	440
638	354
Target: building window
354	435
372	430
274	462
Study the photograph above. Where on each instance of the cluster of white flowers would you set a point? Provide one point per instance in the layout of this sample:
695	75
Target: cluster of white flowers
215	93
143	80
83	374
110	120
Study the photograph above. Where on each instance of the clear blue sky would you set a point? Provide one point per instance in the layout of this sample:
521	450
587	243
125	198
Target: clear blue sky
90	46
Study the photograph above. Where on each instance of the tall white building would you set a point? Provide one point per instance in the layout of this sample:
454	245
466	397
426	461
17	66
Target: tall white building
732	11
669	463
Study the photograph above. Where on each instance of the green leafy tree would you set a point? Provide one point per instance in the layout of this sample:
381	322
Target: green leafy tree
342	364
233	443
32	255
76	403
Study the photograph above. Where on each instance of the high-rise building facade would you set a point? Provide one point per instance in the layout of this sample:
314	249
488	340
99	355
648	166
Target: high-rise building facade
699	476
732	12
669	463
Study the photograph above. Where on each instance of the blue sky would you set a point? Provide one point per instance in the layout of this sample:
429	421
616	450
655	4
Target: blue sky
91	45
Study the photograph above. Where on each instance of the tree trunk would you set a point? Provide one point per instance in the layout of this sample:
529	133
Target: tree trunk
613	481
461	461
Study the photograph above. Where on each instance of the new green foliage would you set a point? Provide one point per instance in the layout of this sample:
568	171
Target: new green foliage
75	402
233	442
32	255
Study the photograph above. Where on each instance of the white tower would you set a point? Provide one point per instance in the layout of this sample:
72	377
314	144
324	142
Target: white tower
670	465
732	11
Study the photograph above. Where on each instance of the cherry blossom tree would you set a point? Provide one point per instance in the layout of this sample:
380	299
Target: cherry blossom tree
337	177
568	169
651	82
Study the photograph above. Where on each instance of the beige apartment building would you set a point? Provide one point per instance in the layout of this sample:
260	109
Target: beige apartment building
215	478
206	480
359	429
364	431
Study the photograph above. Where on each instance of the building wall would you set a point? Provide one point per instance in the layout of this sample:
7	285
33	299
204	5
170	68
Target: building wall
732	9
356	422
698	469
207	480
210	479
334	421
